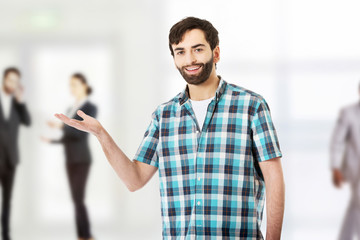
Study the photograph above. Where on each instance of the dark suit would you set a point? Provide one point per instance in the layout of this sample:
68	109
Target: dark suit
9	156
78	160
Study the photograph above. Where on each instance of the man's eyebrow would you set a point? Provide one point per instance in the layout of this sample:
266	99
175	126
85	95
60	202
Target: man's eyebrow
198	45
195	46
178	49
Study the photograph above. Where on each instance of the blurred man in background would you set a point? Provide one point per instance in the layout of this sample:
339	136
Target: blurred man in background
13	112
345	164
215	147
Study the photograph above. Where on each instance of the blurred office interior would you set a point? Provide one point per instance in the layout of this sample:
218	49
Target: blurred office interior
302	56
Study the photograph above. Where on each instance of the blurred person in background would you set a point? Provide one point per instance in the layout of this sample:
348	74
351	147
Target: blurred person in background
13	113
215	147
345	164
77	152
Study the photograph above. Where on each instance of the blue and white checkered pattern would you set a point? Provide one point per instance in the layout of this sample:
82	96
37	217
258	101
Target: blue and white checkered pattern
211	185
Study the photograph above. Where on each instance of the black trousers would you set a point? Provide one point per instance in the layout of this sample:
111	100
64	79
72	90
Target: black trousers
77	175
7	174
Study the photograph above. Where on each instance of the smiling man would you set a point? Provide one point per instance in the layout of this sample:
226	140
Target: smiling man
214	145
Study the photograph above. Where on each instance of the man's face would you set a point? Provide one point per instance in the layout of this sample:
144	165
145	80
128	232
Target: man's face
194	58
11	82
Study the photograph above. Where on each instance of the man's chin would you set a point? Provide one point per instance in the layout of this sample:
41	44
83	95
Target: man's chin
194	81
8	91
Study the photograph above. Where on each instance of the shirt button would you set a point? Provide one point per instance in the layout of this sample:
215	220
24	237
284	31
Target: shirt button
198	203
197	131
199	178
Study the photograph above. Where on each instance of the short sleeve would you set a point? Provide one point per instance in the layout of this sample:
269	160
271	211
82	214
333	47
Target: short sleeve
265	141
146	152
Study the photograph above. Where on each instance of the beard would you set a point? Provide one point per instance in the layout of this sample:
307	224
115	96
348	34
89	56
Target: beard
197	79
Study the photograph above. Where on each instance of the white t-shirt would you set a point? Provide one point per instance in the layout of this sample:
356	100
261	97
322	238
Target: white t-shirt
200	110
5	101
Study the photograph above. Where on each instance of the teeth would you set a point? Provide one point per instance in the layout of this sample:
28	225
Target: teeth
193	68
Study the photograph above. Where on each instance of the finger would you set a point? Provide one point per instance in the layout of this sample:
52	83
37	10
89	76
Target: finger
75	122
67	120
62	117
72	122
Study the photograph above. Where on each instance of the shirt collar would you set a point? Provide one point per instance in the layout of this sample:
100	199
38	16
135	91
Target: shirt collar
184	95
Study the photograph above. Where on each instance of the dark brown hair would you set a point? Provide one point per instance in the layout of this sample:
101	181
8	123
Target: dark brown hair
82	79
179	29
9	70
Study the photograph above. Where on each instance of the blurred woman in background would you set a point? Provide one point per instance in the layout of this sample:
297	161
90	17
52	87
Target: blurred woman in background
77	152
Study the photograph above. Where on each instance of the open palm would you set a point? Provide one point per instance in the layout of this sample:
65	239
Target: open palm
88	124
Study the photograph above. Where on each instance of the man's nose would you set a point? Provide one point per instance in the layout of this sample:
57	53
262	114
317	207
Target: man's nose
190	58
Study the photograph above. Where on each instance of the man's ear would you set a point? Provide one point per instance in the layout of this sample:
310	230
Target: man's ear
216	54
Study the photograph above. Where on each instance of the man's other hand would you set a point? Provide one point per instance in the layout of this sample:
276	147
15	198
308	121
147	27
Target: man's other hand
338	178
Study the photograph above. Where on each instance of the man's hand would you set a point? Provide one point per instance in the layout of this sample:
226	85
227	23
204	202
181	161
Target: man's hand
338	178
88	124
133	173
19	94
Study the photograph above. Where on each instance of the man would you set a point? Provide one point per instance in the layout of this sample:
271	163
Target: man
13	112
345	164
214	144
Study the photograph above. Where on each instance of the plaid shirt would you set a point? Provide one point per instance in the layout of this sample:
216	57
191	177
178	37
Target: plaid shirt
211	185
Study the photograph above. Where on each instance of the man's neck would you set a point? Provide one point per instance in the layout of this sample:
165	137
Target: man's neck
205	90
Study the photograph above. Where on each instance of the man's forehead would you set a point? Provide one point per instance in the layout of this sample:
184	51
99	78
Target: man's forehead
191	38
13	76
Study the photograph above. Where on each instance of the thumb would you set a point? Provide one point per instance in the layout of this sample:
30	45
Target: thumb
82	114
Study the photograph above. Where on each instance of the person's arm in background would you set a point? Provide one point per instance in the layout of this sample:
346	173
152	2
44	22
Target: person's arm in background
21	106
275	197
134	174
337	148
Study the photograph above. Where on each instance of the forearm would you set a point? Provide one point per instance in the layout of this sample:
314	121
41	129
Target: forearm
133	173
275	202
123	166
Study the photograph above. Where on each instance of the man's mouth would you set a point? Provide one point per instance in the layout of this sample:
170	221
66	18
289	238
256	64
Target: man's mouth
193	69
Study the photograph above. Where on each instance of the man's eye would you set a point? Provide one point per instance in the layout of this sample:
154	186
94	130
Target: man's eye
180	53
198	50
